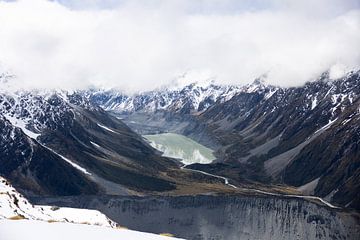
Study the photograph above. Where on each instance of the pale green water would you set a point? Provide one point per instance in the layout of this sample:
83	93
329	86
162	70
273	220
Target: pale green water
178	146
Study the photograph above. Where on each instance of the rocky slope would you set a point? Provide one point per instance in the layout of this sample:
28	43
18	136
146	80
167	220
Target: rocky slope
56	143
305	136
169	109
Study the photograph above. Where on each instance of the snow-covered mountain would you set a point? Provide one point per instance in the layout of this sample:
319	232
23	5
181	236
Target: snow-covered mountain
35	111
191	98
305	136
79	146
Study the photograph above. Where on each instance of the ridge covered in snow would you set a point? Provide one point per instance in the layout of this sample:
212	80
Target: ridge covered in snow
192	98
16	212
197	97
36	110
15	205
38	230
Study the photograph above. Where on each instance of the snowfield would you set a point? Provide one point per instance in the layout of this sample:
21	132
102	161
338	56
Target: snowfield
13	204
39	230
19	219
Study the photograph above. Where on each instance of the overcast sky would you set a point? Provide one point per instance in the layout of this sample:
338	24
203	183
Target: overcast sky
142	44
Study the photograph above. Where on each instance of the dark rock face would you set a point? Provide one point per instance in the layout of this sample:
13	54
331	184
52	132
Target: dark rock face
295	135
223	217
36	169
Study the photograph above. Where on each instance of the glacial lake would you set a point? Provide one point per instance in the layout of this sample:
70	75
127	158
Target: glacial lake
178	146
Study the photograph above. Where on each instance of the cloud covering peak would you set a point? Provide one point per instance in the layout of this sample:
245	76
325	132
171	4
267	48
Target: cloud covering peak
140	45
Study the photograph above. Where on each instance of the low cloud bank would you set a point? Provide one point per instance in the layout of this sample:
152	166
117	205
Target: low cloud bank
135	45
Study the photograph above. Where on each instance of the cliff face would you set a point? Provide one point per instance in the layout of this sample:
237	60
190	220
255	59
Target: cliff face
225	217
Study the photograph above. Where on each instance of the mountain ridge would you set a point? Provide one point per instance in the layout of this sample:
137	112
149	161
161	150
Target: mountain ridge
265	132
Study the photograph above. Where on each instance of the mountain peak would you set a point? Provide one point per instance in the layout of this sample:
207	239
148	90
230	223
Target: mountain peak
261	80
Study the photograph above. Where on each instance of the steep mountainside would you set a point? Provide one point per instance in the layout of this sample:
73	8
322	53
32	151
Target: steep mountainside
57	144
306	136
54	143
170	109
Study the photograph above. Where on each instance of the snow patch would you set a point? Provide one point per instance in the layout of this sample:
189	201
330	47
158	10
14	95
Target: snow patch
314	103
78	167
22	125
346	121
270	93
326	126
106	128
12	204
96	145
49	222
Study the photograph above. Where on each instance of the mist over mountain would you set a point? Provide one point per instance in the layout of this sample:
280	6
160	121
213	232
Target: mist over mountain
176	118
138	46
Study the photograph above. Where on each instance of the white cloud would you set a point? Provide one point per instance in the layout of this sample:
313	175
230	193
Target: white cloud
139	45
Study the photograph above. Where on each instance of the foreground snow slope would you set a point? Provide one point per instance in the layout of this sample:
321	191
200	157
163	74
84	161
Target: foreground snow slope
13	204
39	230
47	222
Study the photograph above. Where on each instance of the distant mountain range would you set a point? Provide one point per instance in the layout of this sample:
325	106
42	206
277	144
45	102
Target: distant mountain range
307	136
191	98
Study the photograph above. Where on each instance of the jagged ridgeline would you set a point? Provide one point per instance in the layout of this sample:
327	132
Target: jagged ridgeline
307	137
